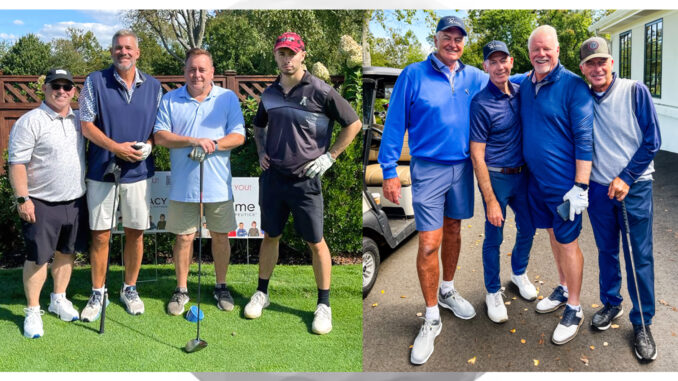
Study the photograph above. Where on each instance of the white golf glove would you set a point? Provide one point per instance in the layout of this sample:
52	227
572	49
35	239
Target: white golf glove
319	165
579	200
198	154
145	149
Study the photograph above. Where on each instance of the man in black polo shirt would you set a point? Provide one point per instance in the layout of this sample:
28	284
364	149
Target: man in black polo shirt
293	130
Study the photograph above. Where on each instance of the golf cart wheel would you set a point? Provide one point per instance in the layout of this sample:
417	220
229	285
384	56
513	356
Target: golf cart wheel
370	264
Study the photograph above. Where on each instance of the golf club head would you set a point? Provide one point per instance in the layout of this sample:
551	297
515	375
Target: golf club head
113	169
195	345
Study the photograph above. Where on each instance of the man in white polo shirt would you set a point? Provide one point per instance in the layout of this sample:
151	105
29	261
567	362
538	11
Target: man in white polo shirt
47	172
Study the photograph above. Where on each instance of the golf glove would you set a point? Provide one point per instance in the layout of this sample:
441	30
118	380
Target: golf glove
319	165
198	154
579	200
145	149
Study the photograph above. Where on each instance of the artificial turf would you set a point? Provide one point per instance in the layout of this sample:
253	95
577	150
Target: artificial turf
280	341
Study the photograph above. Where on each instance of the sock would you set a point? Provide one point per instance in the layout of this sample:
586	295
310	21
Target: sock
125	286
446	286
181	289
432	313
576	308
263	285
34	308
56	296
99	290
564	287
324	297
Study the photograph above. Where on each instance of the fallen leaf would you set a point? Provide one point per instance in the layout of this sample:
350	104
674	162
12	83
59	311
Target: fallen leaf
474	270
508	254
469	226
662	301
594	305
524	309
411	346
584	359
512	330
472	361
605	344
522	341
592	347
508	303
675	309
458	267
419	314
480	235
615	326
536	362
537	277
382	291
513	298
540	297
403	296
541	282
541	339
375	304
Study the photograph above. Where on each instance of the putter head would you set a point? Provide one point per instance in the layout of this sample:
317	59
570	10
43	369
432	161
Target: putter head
195	345
113	169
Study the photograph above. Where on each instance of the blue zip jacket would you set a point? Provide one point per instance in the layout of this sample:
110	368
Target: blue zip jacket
557	118
435	114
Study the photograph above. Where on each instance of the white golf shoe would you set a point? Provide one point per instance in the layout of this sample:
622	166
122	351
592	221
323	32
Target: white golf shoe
496	310
569	325
62	307
130	298
527	289
257	303
454	302
557	298
423	344
322	320
33	323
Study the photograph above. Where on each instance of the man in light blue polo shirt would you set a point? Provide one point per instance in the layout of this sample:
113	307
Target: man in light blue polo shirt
204	121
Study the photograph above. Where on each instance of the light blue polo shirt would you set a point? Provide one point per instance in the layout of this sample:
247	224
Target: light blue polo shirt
216	116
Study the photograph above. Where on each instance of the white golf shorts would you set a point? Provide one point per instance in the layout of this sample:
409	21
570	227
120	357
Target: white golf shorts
134	204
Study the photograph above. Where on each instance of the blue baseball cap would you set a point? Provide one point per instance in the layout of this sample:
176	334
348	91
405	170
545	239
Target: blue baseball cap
451	21
494	46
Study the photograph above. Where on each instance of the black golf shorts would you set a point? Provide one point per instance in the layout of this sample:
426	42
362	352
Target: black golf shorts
61	226
281	194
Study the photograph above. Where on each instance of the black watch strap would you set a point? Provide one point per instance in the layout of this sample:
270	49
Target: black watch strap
22	199
582	186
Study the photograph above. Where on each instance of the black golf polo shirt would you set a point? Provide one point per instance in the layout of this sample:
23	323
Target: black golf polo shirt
300	122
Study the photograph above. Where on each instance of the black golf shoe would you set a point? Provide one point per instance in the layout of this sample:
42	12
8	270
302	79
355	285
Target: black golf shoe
643	344
602	319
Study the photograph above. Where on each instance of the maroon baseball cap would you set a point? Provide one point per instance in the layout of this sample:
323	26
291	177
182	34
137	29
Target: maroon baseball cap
291	41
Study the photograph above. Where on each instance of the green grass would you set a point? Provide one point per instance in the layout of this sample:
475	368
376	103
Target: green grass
280	341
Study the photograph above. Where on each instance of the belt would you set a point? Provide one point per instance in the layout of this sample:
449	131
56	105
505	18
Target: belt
507	171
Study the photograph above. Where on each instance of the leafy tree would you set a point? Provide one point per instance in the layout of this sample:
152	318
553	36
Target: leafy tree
155	59
28	56
4	48
398	51
393	51
79	52
572	27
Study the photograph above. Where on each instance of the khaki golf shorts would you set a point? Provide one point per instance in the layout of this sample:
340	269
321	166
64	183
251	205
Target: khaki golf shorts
183	217
134	204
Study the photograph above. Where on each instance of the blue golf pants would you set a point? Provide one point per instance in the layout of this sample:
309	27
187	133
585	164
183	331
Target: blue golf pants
607	221
509	190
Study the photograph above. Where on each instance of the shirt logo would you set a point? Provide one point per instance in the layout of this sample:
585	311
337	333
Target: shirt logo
304	101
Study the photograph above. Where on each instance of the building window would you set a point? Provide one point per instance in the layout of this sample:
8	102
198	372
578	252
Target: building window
625	55
654	38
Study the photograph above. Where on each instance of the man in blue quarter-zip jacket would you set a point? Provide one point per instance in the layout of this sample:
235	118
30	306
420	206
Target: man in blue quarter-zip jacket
626	140
556	110
431	102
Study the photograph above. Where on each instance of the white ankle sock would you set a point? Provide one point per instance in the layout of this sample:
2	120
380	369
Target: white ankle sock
576	308
564	288
125	285
34	308
55	296
446	286
99	290
432	313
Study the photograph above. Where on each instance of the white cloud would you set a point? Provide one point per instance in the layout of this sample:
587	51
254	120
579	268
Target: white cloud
105	16
103	32
5	36
18	22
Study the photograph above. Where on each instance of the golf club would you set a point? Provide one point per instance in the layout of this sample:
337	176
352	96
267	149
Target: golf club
196	344
627	237
112	169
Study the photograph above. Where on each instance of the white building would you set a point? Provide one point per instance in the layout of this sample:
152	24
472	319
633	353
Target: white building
645	48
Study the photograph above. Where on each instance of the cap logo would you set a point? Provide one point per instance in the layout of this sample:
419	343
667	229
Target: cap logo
59	71
491	45
593	45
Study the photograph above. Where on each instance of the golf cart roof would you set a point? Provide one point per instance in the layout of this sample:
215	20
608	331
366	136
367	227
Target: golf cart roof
379	71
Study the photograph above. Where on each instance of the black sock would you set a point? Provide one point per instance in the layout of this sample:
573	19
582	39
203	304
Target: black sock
263	286
220	286
324	297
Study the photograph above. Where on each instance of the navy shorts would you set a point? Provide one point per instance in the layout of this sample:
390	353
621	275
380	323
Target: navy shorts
543	207
281	194
440	190
59	226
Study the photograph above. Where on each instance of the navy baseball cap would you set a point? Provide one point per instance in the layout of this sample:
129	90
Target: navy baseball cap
494	46
451	21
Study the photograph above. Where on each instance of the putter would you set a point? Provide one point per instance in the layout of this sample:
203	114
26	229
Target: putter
196	344
113	169
627	237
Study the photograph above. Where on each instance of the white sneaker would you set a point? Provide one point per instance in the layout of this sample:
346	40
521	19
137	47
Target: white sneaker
459	306
423	344
557	298
569	325
62	307
322	320
130	298
257	303
92	310
33	323
496	310
527	289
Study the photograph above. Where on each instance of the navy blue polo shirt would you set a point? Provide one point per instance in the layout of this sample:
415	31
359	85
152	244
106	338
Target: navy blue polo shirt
495	121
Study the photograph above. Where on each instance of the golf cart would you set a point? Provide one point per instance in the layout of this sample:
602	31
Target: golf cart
385	225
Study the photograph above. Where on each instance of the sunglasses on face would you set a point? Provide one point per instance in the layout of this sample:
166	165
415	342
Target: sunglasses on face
58	86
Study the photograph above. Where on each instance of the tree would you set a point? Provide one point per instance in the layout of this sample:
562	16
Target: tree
398	51
79	52
572	27
4	48
28	56
392	21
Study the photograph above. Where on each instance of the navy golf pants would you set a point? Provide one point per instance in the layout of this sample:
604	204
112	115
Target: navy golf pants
607	221
509	190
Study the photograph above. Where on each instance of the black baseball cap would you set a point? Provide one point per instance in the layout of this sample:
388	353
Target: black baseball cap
494	46
55	74
449	22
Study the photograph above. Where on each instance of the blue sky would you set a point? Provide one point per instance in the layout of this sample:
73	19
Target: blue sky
50	24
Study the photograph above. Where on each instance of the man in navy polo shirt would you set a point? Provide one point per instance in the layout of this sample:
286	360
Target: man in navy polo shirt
496	151
293	132
117	112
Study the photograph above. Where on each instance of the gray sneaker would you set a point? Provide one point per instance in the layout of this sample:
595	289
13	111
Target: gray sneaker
459	306
130	298
423	344
92	310
177	302
224	299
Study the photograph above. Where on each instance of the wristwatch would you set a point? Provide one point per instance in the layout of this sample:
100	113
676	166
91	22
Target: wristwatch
22	199
582	186
216	145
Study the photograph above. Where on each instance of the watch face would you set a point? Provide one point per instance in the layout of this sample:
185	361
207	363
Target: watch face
20	200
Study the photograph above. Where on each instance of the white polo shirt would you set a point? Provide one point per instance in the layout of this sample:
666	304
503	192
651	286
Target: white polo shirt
53	149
